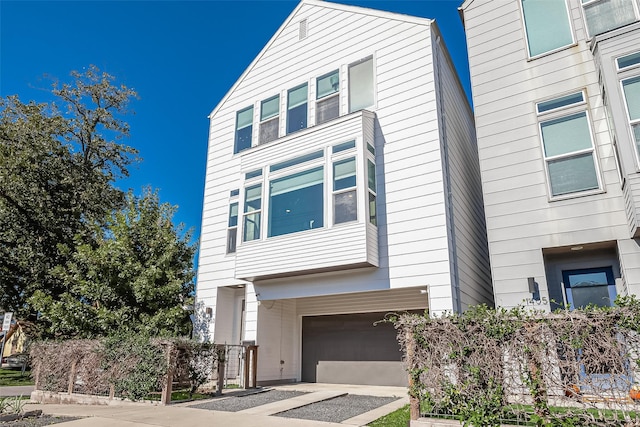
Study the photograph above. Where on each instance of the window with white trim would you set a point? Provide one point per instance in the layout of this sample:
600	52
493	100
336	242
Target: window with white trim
269	119
252	213
631	91
605	15
297	108
345	202
244	129
547	25
361	93
567	145
328	97
232	228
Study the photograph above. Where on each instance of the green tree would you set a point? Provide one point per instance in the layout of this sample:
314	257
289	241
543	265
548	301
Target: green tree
138	276
57	168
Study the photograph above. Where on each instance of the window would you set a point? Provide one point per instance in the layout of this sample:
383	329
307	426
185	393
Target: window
345	203
628	61
232	229
371	183
631	90
605	15
361	85
244	129
297	109
328	96
568	146
269	120
296	202
547	25
252	210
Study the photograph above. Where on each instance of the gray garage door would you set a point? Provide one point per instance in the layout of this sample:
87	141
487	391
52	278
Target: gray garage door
349	349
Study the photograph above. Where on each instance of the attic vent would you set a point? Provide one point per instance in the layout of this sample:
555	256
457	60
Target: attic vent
303	29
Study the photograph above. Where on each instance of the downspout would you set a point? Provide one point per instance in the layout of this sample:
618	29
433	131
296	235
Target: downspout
453	261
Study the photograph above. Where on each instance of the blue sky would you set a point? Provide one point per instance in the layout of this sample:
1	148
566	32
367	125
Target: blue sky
180	56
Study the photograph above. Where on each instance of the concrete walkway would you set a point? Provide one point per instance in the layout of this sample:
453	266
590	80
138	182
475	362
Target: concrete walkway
179	415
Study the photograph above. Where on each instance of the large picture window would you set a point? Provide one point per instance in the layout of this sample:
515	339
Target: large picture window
297	109
568	148
605	15
252	212
547	25
361	85
345	202
244	129
296	202
328	96
631	90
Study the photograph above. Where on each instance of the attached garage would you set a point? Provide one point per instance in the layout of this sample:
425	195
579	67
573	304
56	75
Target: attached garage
351	349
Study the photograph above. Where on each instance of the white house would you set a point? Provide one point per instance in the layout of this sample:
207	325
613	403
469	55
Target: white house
556	90
342	184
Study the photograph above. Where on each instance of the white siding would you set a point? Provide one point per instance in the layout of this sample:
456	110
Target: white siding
521	219
471	276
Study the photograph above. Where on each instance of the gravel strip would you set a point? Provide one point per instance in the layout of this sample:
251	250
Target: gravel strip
337	409
239	403
43	420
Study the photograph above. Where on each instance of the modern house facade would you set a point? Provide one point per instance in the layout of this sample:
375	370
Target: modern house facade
342	184
556	92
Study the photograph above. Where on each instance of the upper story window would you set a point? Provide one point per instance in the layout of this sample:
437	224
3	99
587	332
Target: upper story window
631	90
269	119
232	228
345	201
604	15
296	202
297	108
244	129
547	25
371	185
328	97
361	93
568	145
252	212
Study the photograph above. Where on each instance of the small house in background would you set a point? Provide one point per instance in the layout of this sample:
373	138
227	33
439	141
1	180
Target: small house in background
17	338
342	184
556	90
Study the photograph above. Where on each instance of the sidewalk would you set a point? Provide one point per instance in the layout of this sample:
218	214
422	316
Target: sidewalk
20	390
179	415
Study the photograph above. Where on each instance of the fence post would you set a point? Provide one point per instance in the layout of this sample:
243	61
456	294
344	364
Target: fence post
414	402
222	361
254	366
36	379
167	386
72	377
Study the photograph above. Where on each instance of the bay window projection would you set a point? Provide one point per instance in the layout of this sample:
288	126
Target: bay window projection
361	85
345	202
328	97
631	90
252	213
547	25
296	202
232	229
371	185
568	147
605	15
297	109
269	119
244	129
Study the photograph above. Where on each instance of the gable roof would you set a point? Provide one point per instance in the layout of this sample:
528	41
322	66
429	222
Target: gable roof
320	3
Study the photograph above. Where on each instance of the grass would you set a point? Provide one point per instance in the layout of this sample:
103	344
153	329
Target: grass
398	418
177	395
11	377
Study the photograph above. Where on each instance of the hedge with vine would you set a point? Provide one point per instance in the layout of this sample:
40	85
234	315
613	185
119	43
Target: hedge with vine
489	367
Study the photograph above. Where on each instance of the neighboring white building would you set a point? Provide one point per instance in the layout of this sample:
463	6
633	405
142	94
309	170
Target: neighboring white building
556	90
342	184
